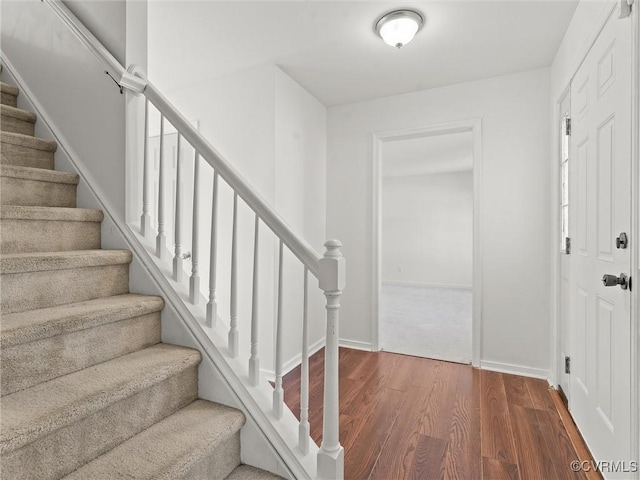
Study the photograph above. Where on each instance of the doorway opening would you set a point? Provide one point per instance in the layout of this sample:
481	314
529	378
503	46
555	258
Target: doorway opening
426	233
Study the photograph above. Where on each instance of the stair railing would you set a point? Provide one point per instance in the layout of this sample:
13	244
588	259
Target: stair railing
328	269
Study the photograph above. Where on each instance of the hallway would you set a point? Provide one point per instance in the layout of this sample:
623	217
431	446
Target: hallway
407	417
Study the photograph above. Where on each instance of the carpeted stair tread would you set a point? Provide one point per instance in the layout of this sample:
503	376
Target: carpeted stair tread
36	262
72	337
26	150
10	89
247	472
8	94
33	325
170	448
28	141
53	214
18	113
44	408
39	174
37	280
33	228
23	185
17	120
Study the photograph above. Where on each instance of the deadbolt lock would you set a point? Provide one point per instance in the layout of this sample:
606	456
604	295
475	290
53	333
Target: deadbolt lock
622	241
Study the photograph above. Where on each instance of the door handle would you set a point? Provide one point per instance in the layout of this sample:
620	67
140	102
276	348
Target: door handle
612	281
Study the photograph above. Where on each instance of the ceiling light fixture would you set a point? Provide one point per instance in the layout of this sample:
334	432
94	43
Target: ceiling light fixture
398	28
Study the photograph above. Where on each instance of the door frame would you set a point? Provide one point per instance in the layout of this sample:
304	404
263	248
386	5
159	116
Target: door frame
557	365
473	125
556	362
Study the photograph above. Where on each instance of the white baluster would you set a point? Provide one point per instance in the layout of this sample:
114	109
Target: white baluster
145	218
278	393
254	361
331	453
233	308
212	306
161	240
178	261
194	281
304	429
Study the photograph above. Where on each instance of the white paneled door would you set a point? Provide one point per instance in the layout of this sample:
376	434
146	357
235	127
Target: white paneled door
600	211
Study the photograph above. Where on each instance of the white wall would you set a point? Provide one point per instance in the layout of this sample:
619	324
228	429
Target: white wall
106	19
300	158
71	85
427	229
515	209
300	161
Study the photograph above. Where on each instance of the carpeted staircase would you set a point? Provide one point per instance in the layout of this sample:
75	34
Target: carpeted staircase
88	390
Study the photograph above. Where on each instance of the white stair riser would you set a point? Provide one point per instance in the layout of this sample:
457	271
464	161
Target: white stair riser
22	365
15	125
68	448
27	192
27	236
22	156
41	289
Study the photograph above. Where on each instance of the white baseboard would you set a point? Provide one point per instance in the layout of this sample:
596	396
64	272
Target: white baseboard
407	283
292	363
356	345
515	369
295	361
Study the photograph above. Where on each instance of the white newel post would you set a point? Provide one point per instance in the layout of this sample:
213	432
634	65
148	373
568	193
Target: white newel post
332	280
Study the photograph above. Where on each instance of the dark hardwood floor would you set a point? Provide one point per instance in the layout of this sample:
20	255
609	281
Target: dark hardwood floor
405	417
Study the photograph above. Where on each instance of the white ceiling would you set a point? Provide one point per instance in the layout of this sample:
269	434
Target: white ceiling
428	155
330	48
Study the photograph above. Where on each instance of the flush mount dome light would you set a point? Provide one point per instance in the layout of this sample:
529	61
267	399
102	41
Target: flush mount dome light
398	28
